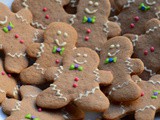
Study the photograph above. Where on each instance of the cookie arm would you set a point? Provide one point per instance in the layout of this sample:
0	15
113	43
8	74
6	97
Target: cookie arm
9	105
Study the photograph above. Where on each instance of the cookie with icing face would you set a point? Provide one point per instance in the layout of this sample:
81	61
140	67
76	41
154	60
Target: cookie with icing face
44	11
59	40
16	34
143	108
92	24
135	13
26	109
76	81
146	48
8	85
116	57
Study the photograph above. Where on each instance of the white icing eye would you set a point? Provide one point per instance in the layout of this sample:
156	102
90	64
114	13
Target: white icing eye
96	4
85	55
112	46
90	3
59	32
78	54
117	46
65	35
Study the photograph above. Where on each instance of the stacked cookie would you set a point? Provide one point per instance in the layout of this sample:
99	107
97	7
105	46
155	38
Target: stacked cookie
65	58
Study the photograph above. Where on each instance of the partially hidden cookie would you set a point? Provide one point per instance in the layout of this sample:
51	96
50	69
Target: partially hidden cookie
135	13
143	108
27	109
8	85
114	9
44	11
92	24
116	57
59	40
76	81
147	48
16	34
71	8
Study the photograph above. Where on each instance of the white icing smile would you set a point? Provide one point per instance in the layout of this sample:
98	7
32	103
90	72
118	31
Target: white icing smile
79	62
113	54
89	11
60	45
116	47
5	21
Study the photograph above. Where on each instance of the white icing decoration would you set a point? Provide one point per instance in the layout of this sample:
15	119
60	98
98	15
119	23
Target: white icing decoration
1	46
98	49
60	45
78	62
129	66
58	92
158	14
118	87
41	50
115	53
65	35
128	4
139	80
117	19
22	19
135	40
73	3
154	82
85	55
15	91
2	91
5	21
17	55
96	4
86	93
25	4
32	96
97	75
36	36
123	110
150	3
39	68
106	28
71	20
59	1
149	70
146	107
59	71
38	25
152	29
112	9
17	106
89	11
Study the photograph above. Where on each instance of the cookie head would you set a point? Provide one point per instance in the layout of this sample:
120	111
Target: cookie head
61	35
94	7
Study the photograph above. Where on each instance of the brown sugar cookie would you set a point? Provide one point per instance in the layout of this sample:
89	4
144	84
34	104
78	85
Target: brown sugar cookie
27	109
76	81
92	24
44	11
16	34
116	57
59	40
135	13
147	48
8	85
145	107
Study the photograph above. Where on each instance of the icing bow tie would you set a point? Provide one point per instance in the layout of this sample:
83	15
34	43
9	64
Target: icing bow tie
144	7
57	49
29	116
8	28
111	60
76	67
89	20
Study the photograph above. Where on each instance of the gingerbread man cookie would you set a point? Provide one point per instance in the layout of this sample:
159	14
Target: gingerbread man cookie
92	25
147	48
135	13
145	107
116	57
76	81
59	40
8	85
44	11
26	109
16	34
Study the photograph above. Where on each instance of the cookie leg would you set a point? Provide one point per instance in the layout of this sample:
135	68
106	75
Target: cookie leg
2	96
32	75
52	99
96	101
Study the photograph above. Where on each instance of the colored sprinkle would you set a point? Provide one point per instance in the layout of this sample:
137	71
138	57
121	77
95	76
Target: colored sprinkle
145	52
44	9
88	30
152	49
21	41
3	73
75	85
136	18
16	36
142	94
76	79
39	109
47	16
9	75
86	38
132	25
57	61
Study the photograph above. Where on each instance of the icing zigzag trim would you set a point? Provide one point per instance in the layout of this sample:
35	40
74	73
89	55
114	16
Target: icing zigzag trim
38	25
106	28
154	82
59	71
135	40
149	70
15	91
147	107
96	72
152	29
41	50
71	20
17	55
17	106
36	36
22	19
128	3
129	66
25	4
158	14
38	67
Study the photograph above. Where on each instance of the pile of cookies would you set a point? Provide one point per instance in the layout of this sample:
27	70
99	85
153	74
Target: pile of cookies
62	58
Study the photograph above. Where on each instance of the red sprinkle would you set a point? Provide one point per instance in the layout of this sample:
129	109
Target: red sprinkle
132	25
136	18
86	38
152	49
39	109
88	30
3	73
47	17
57	61
44	9
16	36
9	75
142	94
76	79
21	41
75	85
145	52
